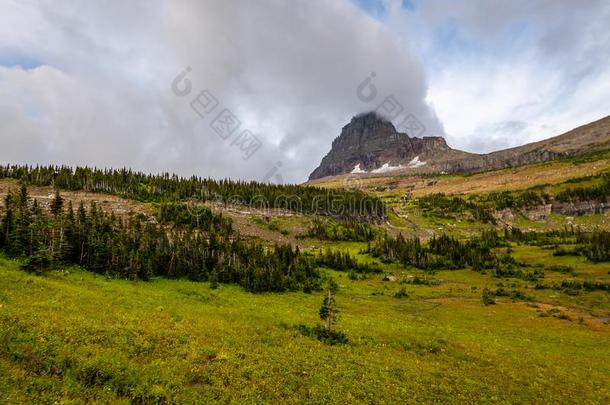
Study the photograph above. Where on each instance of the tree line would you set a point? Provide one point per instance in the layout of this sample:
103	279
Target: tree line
328	229
441	252
594	245
195	216
599	192
344	261
171	188
139	248
481	253
445	206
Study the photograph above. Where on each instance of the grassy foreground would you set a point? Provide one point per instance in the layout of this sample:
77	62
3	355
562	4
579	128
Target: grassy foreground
71	336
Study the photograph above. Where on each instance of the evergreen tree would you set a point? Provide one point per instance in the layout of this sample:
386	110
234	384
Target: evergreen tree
8	222
345	204
141	248
57	204
23	197
328	311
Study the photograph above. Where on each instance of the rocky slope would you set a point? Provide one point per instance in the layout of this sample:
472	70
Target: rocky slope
370	144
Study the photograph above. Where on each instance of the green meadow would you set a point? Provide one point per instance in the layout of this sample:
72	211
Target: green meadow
71	336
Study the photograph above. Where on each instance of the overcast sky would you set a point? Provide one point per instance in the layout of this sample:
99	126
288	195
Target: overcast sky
96	83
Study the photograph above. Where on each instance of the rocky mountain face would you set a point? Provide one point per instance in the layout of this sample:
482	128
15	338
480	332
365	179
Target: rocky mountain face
369	144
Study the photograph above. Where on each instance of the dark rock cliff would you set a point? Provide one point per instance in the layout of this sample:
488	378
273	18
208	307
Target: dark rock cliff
369	142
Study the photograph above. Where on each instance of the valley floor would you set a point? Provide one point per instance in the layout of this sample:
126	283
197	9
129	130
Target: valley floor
72	336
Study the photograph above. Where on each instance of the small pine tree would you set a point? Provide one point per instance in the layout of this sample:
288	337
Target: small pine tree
333	286
23	197
57	204
328	310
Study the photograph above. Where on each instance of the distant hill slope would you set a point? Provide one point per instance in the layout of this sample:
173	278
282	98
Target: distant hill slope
369	144
587	138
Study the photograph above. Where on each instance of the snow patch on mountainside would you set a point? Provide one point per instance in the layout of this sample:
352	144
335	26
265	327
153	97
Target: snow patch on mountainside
387	168
416	163
358	170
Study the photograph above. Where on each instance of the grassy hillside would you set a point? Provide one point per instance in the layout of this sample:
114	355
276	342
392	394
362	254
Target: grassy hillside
487	193
74	336
529	323
517	178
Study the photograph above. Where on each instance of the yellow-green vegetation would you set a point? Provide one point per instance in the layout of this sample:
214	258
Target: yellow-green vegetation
542	196
275	224
72	336
531	324
578	202
518	178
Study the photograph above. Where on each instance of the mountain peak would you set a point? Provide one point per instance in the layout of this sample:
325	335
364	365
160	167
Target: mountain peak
371	142
369	117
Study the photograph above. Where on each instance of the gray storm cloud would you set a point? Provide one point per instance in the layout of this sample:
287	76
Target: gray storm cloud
99	89
90	83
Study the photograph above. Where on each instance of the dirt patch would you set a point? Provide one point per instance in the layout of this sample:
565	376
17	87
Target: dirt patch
252	223
570	314
121	207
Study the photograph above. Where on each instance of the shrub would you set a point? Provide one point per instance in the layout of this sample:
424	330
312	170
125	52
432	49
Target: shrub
561	269
329	337
328	229
214	281
423	281
488	297
402	293
38	263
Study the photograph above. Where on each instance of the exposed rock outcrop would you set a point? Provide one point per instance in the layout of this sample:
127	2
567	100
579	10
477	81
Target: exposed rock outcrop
581	208
371	144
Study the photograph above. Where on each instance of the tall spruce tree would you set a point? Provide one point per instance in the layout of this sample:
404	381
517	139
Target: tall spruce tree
57	204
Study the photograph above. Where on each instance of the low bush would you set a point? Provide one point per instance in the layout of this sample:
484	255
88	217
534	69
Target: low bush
329	337
402	293
488	297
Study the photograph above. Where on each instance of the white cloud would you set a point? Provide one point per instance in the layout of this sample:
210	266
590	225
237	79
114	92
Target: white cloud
288	70
94	86
504	74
